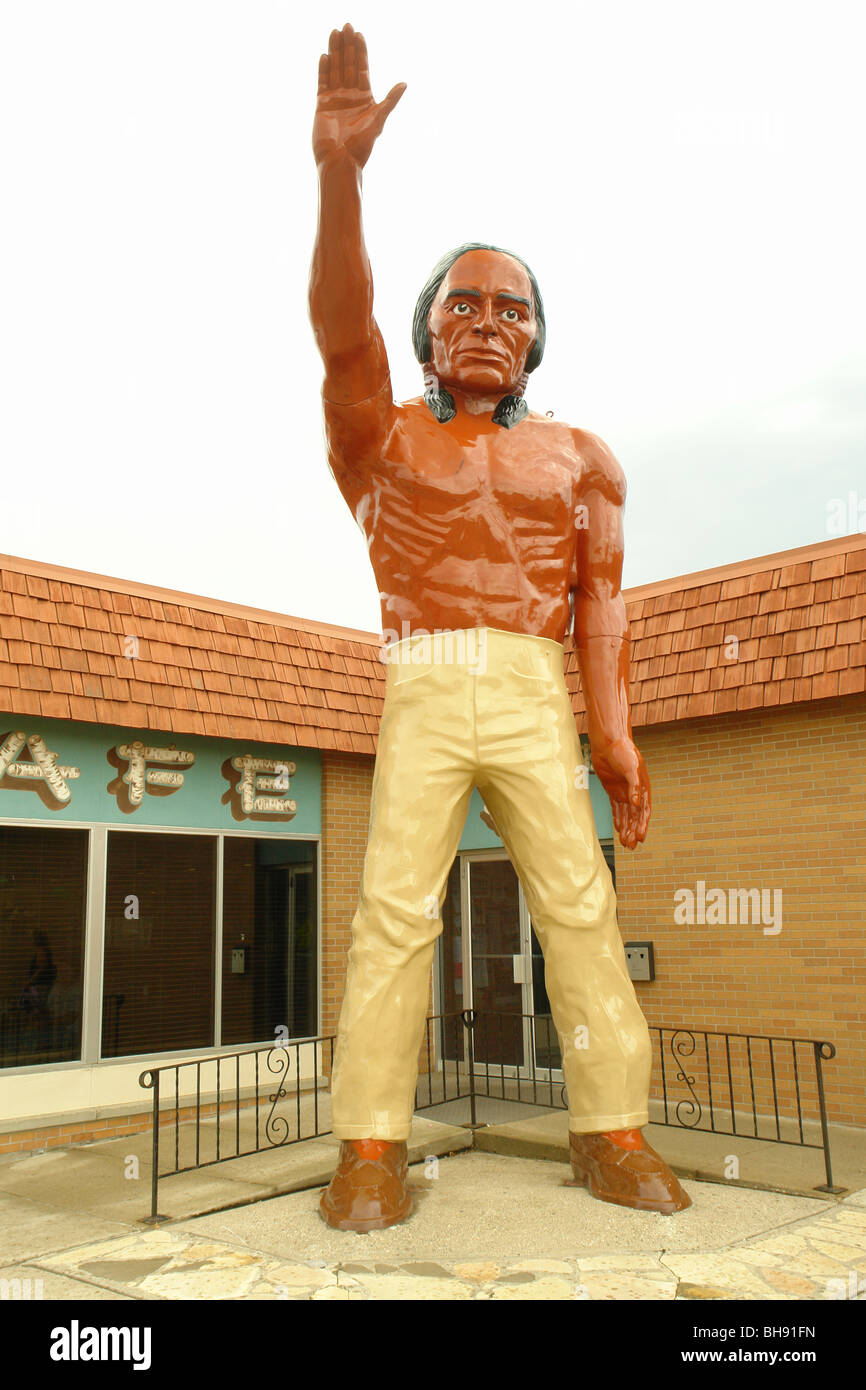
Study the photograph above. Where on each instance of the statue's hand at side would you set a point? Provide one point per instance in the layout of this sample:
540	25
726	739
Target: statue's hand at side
621	771
347	118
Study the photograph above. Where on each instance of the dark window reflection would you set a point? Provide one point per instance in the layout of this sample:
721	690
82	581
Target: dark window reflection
43	886
159	943
269	964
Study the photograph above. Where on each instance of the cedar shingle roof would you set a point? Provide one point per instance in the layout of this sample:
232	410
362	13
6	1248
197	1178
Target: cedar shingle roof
202	666
208	667
799	617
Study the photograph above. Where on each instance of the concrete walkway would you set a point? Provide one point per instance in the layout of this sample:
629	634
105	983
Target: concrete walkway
491	1222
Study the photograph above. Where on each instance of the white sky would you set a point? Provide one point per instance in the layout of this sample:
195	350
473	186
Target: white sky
685	179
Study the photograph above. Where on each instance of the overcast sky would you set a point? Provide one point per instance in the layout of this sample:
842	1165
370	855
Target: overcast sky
685	179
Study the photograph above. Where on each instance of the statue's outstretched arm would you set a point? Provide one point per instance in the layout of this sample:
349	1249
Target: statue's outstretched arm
347	124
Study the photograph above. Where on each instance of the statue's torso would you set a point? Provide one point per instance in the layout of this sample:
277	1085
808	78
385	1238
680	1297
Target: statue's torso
470	527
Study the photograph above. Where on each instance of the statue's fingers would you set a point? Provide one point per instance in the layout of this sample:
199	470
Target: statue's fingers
324	78
335	59
363	65
350	60
635	818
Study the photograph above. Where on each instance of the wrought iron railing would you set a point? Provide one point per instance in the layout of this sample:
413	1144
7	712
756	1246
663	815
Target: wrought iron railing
746	1085
785	1087
239	1083
473	1055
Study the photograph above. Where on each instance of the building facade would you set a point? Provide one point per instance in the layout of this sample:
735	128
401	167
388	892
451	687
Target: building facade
184	798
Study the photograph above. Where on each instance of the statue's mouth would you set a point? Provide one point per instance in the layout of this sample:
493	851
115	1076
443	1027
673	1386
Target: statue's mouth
482	354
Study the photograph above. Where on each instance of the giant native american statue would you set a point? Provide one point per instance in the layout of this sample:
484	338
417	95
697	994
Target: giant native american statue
486	521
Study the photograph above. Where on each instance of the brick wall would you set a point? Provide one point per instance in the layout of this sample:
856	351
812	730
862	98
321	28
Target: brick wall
347	780
116	1126
770	799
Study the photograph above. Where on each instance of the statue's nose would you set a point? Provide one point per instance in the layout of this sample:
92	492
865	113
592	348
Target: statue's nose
486	323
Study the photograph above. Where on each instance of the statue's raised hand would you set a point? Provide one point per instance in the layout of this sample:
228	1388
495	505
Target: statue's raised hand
347	118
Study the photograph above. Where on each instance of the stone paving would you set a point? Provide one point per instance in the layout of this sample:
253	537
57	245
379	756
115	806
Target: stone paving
818	1255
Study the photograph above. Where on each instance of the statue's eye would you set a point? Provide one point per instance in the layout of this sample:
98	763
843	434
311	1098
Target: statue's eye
512	315
463	309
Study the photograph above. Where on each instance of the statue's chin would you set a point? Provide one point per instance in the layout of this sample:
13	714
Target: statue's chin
481	389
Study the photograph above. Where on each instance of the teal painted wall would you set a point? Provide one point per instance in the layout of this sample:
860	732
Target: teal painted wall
206	799
209	797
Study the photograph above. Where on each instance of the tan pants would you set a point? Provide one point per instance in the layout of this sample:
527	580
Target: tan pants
494	713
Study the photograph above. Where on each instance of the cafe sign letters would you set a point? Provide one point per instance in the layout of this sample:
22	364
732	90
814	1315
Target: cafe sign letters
255	787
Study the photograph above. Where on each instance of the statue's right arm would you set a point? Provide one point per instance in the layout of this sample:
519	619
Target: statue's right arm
357	391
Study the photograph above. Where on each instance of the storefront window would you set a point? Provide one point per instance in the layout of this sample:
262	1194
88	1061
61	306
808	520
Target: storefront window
269	940
160	971
43	889
160	925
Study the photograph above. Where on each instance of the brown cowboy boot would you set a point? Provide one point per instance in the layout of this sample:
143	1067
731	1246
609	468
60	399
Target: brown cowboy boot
621	1167
369	1189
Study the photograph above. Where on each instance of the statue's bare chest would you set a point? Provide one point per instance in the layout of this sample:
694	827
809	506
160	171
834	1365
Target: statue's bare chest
497	481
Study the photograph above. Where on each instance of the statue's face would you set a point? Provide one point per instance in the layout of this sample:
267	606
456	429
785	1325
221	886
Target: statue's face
482	323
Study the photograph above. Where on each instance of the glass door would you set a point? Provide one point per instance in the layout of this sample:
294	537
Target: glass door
495	953
482	960
490	960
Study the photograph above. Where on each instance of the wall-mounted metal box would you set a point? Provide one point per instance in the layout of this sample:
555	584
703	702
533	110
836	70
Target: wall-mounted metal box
641	965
